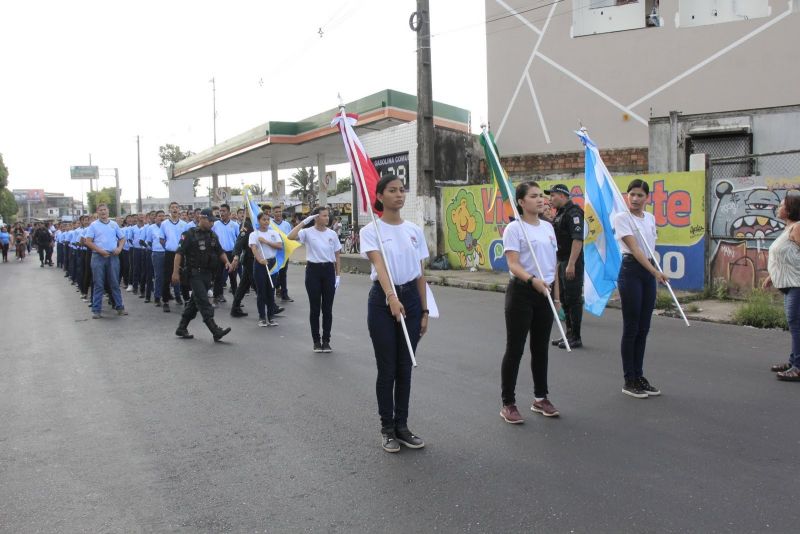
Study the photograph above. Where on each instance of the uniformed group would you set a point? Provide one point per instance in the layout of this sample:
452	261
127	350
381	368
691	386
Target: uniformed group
185	256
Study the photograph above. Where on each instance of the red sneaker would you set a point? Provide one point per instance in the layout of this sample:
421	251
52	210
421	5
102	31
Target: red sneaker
544	407
511	414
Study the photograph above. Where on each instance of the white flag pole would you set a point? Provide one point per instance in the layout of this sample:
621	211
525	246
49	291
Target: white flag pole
650	253
513	203
352	149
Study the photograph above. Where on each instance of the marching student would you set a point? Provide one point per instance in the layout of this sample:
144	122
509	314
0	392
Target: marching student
170	233
322	272
405	247
158	257
227	231
105	239
243	257
285	227
147	258
527	310
264	242
637	286
136	256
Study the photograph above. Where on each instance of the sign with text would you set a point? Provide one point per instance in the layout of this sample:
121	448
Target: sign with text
396	164
84	172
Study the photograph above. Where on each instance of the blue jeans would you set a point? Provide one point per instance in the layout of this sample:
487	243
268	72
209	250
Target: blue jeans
393	385
637	293
158	273
265	292
791	303
105	272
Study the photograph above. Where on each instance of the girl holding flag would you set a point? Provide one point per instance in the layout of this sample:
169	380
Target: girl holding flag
264	242
322	272
636	232
527	309
406	249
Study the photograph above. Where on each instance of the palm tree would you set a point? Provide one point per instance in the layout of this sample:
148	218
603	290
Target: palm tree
256	190
303	183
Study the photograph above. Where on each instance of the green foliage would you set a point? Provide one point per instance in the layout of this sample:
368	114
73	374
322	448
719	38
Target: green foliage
107	195
761	310
256	190
3	174
720	289
172	154
343	184
664	300
236	192
8	206
303	184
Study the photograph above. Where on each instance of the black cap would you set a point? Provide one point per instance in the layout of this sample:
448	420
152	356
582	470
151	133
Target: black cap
208	213
560	188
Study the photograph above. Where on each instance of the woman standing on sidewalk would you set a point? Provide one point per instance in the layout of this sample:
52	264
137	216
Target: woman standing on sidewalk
527	309
264	242
637	286
322	272
784	274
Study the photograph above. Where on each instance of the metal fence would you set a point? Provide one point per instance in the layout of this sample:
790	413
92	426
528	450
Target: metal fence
743	196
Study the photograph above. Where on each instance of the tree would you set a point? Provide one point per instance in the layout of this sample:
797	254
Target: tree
235	192
256	190
8	206
343	184
3	174
303	183
107	195
172	154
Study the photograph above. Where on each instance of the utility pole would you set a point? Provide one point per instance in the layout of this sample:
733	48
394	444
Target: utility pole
91	182
116	183
214	176
421	24
138	177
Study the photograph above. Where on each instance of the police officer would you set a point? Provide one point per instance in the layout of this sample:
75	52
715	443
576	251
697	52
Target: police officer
568	225
200	246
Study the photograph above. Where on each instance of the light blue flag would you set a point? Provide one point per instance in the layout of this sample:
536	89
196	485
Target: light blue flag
601	252
282	255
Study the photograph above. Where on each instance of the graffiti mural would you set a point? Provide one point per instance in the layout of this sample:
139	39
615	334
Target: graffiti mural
744	223
475	221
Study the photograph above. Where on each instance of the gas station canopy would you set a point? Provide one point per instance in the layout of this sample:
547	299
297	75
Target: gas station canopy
287	145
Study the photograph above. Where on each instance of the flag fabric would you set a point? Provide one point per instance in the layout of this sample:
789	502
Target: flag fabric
289	246
358	156
497	174
601	253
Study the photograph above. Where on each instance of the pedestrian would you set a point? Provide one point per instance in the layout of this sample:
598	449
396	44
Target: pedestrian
42	239
20	241
157	255
227	231
636	232
527	309
243	257
337	227
200	246
264	241
784	274
322	272
136	258
5	241
170	233
145	239
285	227
568	226
105	239
125	255
406	249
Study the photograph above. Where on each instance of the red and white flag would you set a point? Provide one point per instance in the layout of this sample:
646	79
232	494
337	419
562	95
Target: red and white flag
364	172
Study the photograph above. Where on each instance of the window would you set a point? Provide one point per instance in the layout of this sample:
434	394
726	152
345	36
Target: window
590	17
704	12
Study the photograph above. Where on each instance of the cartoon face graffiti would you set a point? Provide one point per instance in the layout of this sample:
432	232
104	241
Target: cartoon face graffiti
465	226
749	214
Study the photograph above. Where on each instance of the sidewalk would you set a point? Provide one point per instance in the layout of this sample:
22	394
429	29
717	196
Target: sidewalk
715	311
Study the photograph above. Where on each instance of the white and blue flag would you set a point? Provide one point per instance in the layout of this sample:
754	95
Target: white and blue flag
601	253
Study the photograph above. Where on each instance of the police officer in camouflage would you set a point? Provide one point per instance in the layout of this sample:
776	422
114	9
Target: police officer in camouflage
568	225
200	246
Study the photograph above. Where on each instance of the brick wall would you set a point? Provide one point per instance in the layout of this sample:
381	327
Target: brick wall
618	161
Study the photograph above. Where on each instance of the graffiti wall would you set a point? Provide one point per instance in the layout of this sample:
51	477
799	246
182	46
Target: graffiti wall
474	220
744	223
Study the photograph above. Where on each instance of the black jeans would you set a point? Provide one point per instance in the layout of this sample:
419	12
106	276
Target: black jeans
167	288
200	283
282	281
637	294
393	385
571	296
5	251
526	311
146	273
320	286
220	280
125	267
244	283
265	298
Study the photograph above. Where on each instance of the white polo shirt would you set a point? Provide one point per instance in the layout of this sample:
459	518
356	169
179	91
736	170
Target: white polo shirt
321	246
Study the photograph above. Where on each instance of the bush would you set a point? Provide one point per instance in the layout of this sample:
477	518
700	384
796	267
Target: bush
664	300
762	311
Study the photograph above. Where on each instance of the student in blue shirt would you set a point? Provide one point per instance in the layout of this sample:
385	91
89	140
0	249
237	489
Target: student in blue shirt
146	280
136	248
105	239
125	255
227	231
170	235
157	256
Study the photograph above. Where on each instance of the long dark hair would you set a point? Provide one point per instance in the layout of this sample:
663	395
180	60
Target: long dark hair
379	189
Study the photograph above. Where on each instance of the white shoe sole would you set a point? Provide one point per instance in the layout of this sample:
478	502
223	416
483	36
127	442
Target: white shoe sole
536	410
409	445
634	395
512	422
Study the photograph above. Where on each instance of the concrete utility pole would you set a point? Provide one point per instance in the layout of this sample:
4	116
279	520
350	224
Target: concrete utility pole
116	199
91	182
138	177
420	23
214	175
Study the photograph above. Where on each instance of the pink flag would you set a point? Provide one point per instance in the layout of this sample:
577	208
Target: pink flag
360	163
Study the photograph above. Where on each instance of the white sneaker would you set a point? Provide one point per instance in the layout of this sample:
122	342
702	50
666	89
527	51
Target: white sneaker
210	293
130	288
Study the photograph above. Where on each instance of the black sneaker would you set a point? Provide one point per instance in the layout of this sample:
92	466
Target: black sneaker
147	300
633	389
326	347
166	307
573	344
287	299
556	342
179	301
390	443
407	438
648	388
158	303
238	312
317	346
278	310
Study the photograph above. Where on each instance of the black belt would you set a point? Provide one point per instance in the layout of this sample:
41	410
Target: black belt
629	256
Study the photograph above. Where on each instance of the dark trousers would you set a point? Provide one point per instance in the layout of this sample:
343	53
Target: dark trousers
320	286
146	273
527	311
136	267
637	294
223	272
266	293
571	296
284	290
791	303
4	247
125	267
48	254
86	280
244	283
393	385
200	283
59	255
166	285
77	272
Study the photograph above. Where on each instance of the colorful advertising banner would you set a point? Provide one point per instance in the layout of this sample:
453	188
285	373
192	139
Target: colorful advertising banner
474	222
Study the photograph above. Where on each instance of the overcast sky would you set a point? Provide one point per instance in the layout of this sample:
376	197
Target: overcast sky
80	77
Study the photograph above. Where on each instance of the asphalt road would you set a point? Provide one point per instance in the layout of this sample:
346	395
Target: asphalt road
118	426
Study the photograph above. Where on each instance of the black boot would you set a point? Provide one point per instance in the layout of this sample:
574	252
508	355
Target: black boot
217	332
182	330
237	311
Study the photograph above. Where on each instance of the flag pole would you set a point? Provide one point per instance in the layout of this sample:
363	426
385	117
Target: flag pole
513	203
352	150
650	253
